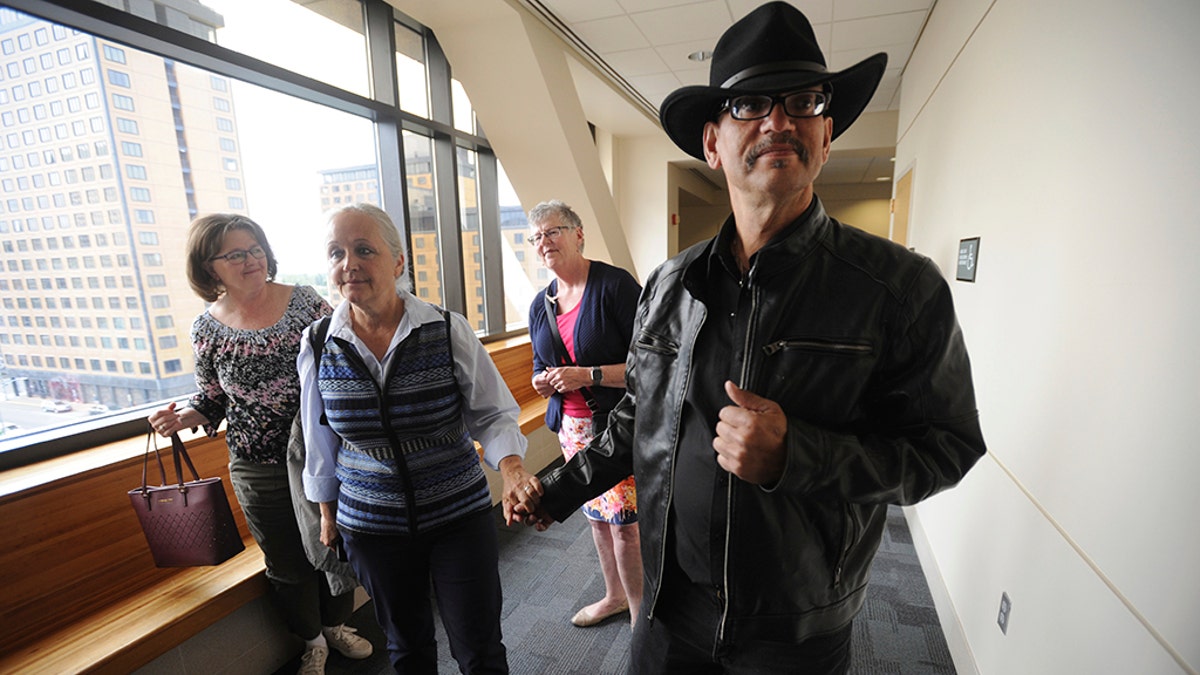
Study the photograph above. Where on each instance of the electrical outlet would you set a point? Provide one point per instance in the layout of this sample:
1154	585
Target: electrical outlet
1005	610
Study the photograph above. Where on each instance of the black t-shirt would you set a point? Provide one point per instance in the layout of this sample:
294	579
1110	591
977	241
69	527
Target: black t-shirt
701	489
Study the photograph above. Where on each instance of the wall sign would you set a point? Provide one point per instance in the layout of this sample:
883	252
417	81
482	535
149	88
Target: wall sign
968	259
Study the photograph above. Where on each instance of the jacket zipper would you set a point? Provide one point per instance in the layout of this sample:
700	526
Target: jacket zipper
849	348
849	537
743	384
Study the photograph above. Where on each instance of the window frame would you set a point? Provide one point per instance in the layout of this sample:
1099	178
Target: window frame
382	109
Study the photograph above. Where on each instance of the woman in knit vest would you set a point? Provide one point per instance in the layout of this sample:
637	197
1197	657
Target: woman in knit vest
393	399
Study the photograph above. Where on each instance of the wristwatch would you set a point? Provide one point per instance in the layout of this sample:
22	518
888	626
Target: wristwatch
597	375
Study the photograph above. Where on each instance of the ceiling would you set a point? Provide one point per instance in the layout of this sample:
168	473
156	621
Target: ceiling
643	47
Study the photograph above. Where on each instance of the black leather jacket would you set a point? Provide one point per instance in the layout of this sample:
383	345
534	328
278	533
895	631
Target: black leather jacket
856	338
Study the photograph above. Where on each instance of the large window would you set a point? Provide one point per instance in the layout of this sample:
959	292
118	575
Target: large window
523	274
424	242
108	151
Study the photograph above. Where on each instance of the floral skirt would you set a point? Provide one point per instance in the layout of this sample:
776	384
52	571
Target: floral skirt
618	506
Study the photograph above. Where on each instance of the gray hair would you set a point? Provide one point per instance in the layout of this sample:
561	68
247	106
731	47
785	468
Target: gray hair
387	230
558	210
554	209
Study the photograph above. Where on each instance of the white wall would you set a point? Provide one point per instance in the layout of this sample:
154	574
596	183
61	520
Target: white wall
641	182
866	206
1063	135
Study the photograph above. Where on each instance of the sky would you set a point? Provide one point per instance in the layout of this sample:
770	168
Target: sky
285	142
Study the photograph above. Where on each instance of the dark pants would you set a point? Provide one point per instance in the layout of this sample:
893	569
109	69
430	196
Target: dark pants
682	638
462	561
300	591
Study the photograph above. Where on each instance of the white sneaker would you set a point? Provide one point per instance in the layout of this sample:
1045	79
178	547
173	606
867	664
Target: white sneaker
343	639
313	661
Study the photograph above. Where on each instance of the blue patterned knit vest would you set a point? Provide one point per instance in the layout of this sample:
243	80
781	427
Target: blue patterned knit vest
407	464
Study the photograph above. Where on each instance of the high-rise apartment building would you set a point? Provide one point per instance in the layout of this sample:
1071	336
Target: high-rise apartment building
360	183
351	185
106	154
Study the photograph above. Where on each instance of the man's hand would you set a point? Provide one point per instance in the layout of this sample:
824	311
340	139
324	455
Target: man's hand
749	440
537	518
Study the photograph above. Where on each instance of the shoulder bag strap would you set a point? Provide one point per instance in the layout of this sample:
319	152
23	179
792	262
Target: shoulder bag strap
560	348
316	339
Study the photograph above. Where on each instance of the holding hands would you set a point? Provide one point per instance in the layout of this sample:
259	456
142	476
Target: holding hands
522	493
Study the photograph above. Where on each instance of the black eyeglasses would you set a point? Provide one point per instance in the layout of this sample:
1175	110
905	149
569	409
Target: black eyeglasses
550	233
238	256
797	104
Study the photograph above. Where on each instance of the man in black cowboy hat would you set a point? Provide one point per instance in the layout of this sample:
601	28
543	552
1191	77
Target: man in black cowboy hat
788	380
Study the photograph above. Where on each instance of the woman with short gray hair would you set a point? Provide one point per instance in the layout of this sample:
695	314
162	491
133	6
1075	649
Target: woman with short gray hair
581	326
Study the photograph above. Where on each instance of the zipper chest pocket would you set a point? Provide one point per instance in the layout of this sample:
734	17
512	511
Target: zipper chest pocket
844	347
656	343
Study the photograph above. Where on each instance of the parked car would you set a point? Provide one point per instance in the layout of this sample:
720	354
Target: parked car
97	409
56	406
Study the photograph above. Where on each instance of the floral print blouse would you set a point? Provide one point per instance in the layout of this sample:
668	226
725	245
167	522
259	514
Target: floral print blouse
249	377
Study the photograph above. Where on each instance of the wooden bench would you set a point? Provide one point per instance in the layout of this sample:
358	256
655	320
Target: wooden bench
82	594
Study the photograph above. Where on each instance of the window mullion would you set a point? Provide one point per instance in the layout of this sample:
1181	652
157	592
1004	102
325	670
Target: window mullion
389	141
445	167
489	226
381	52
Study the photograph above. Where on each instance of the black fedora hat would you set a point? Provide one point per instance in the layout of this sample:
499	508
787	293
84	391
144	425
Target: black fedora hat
769	51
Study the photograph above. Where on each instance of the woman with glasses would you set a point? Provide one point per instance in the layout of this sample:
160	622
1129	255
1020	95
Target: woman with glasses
581	326
245	347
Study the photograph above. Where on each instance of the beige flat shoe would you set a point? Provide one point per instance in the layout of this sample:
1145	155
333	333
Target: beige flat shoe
583	618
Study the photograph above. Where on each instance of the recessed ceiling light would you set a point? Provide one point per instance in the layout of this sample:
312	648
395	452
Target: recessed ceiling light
883	178
702	55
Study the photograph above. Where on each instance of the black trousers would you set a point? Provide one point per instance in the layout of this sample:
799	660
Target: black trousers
682	638
462	562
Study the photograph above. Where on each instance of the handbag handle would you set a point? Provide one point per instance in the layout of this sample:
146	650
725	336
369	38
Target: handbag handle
146	459
177	450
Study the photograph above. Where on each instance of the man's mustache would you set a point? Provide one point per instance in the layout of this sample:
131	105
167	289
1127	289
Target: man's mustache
776	140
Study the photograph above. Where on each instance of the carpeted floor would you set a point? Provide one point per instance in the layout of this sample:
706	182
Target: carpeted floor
548	576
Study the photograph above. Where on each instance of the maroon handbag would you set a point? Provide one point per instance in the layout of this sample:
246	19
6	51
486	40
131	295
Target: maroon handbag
189	523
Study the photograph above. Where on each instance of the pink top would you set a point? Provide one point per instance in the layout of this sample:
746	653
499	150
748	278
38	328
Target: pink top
574	404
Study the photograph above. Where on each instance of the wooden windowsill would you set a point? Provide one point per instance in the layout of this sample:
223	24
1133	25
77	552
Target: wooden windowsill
82	593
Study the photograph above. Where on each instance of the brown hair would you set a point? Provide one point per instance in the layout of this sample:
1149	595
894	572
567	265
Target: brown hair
205	237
